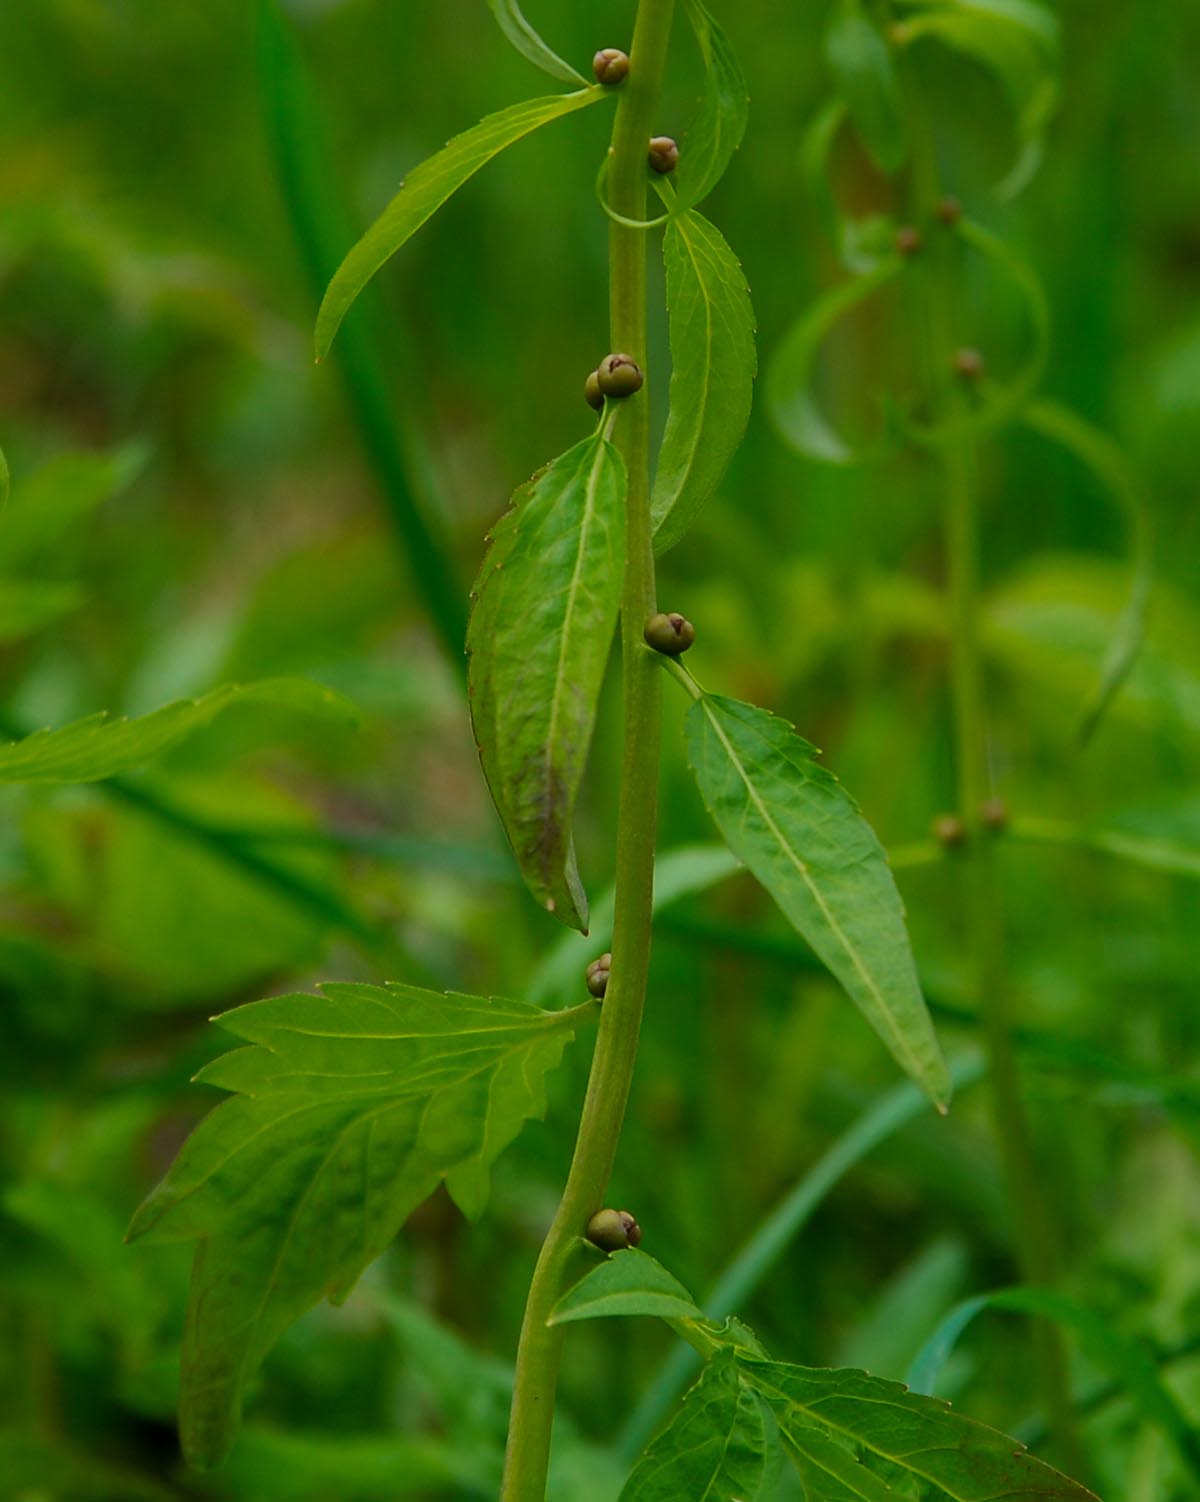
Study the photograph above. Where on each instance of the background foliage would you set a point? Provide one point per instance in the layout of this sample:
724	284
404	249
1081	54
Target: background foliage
193	501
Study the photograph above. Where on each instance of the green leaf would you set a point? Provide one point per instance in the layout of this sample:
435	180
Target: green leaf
802	835
26	605
425	190
58	494
713	365
790	376
717	133
349	1108
626	1283
862	243
546	603
527	42
716	1447
857	1438
99	746
862	64
1122	1357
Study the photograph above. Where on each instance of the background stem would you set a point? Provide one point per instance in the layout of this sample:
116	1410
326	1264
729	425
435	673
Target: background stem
538	1355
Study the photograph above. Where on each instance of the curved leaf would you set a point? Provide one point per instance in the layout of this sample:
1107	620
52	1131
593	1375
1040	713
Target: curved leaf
425	190
861	58
99	746
626	1283
546	604
1098	453
1123	1358
527	42
717	1447
713	365
350	1107
790	399
718	129
861	243
803	837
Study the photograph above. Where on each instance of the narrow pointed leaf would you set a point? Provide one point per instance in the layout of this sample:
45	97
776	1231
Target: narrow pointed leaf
546	604
858	1438
424	191
708	146
802	835
527	42
350	1107
627	1283
713	365
100	746
865	70
717	1446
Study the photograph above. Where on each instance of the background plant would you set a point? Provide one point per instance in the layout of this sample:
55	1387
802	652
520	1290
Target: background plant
210	475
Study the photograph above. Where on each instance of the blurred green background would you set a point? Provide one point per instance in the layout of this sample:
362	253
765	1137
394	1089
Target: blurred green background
194	500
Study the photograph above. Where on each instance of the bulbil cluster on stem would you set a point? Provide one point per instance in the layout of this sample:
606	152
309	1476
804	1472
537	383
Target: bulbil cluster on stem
664	154
597	976
669	633
613	1230
610	66
617	376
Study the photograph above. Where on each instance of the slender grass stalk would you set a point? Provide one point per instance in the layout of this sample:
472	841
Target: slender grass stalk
1034	1242
540	1349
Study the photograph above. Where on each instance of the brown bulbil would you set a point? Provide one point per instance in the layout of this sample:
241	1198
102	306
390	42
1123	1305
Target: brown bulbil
949	211
949	831
908	240
968	364
597	976
664	154
611	66
671	634
592	393
619	375
613	1230
994	815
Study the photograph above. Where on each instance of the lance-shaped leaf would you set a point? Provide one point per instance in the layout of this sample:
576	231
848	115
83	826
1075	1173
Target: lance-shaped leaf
713	365
862	64
424	191
349	1108
718	130
100	746
801	834
525	39
626	1283
857	1438
546	604
719	1446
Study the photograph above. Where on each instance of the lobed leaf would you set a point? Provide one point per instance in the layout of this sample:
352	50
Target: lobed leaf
546	605
713	365
349	1107
718	1446
527	42
99	746
803	837
626	1283
862	63
428	187
717	133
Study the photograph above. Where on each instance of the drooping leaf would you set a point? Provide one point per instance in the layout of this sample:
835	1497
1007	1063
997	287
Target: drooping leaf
628	1282
99	746
802	835
713	365
791	401
527	42
348	1109
717	1446
1124	1359
546	604
709	144
865	71
425	190
858	1438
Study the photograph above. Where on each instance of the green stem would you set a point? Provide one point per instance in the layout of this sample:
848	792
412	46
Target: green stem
1035	1247
540	1349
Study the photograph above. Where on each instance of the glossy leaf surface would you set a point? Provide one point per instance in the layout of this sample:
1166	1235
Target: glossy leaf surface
424	191
546	604
525	39
802	835
349	1107
713	365
99	746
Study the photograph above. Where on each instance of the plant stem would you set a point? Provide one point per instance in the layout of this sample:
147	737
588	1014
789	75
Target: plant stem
1034	1242
540	1349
